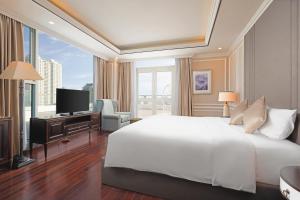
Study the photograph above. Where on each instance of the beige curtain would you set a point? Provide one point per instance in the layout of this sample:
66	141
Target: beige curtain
185	86
124	86
103	78
11	49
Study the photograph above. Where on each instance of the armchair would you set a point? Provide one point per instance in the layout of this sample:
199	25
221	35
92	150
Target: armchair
111	120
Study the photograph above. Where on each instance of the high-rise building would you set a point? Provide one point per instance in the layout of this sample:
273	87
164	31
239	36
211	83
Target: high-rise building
89	87
51	71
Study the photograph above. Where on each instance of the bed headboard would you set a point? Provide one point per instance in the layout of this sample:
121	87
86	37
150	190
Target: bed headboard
295	136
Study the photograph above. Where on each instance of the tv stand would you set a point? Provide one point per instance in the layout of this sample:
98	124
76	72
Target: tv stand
50	129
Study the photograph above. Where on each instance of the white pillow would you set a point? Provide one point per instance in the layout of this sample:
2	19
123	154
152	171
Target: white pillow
280	123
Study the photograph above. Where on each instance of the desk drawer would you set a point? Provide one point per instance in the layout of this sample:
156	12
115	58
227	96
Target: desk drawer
55	129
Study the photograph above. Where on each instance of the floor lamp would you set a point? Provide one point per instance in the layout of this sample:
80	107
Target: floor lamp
20	71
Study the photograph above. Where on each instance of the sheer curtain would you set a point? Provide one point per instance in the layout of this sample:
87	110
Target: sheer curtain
184	67
11	49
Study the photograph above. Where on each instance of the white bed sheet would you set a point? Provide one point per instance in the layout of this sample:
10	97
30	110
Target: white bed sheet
206	150
271	156
193	148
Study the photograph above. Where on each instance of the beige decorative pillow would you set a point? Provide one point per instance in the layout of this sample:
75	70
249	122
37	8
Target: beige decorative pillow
237	113
255	116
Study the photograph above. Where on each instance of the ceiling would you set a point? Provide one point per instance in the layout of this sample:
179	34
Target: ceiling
134	29
131	24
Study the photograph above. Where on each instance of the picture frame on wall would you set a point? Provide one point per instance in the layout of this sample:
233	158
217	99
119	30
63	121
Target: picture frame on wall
202	82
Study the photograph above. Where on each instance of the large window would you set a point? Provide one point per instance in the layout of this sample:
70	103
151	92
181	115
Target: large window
62	66
28	86
154	88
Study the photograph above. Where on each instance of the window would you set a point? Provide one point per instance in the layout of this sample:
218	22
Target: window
154	89
62	66
27	43
28	86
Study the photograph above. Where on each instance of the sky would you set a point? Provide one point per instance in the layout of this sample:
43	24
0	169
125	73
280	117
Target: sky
26	40
77	65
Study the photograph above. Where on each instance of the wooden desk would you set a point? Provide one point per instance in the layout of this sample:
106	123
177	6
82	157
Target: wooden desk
49	129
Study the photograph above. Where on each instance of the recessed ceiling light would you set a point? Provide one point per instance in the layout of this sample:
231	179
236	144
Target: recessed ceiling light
220	48
51	22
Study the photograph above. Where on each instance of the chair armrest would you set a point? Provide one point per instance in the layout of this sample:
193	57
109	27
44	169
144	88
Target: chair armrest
112	116
123	113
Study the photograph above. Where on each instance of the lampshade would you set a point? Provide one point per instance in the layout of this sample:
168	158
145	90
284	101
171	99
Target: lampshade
227	96
17	70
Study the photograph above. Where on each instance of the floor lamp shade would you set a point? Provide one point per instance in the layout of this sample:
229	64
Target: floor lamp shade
227	97
17	70
21	71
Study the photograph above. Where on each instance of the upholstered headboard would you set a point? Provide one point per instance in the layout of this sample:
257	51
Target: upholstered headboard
295	136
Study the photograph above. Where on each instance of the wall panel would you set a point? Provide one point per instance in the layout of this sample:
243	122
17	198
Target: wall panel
207	104
271	56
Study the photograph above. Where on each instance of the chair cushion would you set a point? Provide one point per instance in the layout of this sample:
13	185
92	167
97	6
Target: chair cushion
113	116
125	118
108	108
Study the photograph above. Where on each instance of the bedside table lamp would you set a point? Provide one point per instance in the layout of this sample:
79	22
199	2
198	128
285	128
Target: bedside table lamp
226	97
20	71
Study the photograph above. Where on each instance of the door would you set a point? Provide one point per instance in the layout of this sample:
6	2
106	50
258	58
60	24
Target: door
154	91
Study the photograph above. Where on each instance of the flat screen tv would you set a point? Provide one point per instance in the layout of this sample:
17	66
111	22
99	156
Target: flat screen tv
70	101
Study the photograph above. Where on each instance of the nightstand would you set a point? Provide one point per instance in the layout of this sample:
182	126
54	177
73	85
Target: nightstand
290	182
133	120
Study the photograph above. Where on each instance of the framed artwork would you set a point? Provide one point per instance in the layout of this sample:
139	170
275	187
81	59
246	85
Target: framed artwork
202	82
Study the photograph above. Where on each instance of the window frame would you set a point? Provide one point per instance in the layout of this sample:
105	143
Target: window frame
154	71
32	60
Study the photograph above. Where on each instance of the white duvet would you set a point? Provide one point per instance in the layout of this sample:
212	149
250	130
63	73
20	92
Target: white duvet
204	149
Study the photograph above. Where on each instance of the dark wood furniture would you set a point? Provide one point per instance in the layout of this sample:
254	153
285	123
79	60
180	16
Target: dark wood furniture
49	129
290	182
133	120
5	141
175	188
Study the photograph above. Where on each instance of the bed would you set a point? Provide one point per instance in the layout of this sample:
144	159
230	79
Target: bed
177	157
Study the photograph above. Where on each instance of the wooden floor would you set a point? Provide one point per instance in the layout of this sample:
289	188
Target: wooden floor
72	171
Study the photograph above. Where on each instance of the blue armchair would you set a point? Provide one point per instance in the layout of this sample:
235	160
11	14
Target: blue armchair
111	120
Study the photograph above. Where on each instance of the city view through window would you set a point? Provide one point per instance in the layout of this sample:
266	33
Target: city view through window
62	66
154	91
155	86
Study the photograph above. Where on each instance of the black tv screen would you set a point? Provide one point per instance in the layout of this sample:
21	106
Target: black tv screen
69	101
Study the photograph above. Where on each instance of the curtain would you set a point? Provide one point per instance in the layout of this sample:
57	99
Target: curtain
124	86
185	86
103	78
11	49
